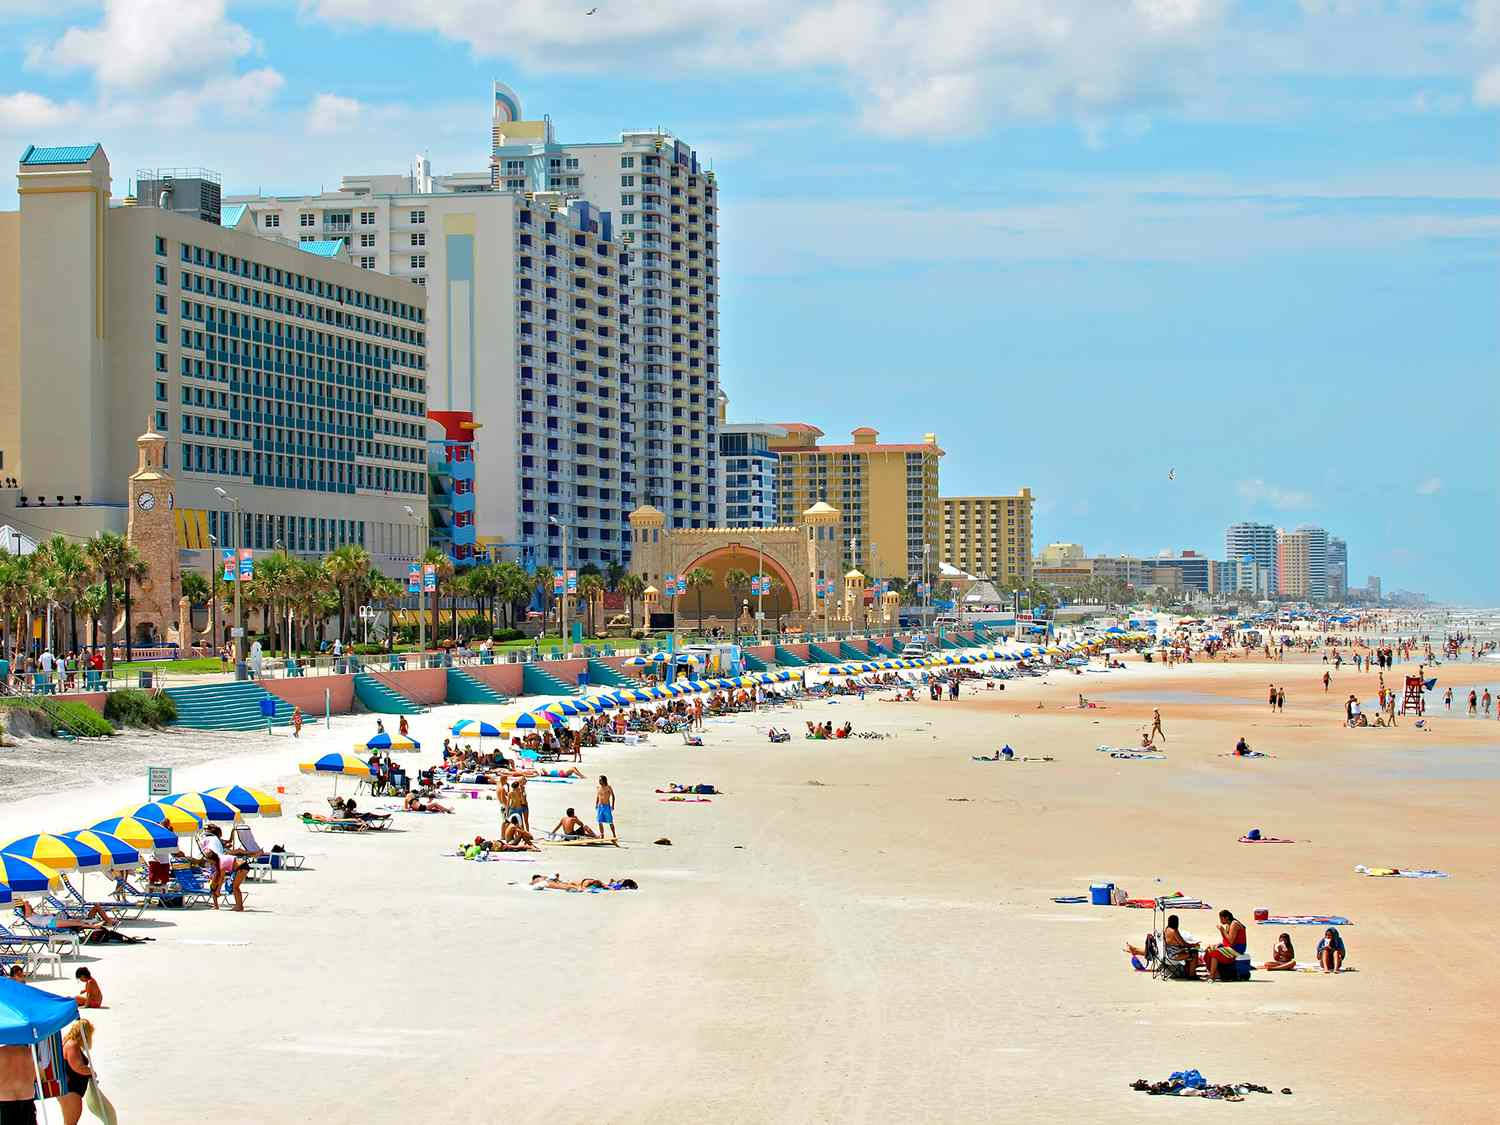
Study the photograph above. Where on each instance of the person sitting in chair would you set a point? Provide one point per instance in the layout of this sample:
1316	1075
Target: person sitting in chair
1220	960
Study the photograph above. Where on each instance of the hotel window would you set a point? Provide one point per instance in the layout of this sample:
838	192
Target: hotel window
515	185
306	219
418	217
627	162
161	246
627	201
367	240
367	218
367	263
572	162
270	220
419	238
627	181
515	166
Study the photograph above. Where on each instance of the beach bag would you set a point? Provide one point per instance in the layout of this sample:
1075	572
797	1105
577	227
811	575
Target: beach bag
97	1104
1253	834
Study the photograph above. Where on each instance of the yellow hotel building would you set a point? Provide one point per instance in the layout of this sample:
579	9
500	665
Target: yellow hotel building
988	536
887	495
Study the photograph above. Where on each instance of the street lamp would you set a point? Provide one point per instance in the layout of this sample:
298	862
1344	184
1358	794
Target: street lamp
239	614
213	591
760	587
421	582
562	603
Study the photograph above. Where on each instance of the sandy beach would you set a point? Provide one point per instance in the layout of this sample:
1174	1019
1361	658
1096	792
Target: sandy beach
856	930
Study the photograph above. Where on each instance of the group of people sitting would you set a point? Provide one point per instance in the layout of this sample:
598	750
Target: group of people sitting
827	730
1226	959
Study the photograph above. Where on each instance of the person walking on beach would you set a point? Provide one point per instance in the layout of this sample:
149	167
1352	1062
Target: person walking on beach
1281	699
296	722
1473	702
1485	703
1327	679
604	808
1448	700
1156	726
1271	696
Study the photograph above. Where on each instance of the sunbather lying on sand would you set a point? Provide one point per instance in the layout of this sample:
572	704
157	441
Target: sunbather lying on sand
570	825
567	771
412	804
558	883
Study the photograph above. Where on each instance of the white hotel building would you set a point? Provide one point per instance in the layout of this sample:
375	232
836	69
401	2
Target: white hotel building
572	306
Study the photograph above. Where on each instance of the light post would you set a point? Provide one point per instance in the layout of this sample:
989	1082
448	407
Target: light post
239	614
562	603
760	587
367	613
213	591
421	584
286	640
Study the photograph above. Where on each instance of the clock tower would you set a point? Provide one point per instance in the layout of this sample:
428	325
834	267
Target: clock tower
152	531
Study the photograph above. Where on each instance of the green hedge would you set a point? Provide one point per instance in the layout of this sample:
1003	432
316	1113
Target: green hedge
501	636
135	708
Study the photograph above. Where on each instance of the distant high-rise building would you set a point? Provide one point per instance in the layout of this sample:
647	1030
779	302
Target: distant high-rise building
1338	569
988	536
1062	552
749	467
1256	541
1302	563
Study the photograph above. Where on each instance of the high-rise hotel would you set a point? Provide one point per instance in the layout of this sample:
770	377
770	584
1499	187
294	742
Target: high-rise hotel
278	373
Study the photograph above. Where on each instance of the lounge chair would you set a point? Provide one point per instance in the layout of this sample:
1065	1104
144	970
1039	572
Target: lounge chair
57	939
126	912
315	823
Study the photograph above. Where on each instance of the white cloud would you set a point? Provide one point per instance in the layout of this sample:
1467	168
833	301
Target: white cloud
1487	87
329	114
149	45
1430	487
24	111
1258	491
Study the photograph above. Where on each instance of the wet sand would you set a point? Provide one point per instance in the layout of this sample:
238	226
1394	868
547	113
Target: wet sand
857	930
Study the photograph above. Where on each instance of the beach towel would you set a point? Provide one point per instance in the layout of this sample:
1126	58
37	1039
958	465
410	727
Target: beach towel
681	800
1247	754
1265	840
581	842
1135	755
1401	872
1304	920
1070	899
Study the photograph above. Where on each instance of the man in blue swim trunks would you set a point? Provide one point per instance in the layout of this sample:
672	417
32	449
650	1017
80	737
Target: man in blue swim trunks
604	808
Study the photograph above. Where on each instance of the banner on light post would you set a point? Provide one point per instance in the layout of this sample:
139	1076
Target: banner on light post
429	578
247	564
413	579
226	559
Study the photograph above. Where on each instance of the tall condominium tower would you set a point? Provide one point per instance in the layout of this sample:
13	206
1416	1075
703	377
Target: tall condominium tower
1338	569
1257	541
1302	562
666	206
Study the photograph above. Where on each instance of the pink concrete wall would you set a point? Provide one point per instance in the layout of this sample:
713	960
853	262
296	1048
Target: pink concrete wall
427	686
504	678
566	670
306	692
94	699
798	650
765	652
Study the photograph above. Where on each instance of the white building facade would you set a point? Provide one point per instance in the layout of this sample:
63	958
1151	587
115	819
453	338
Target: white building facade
1255	542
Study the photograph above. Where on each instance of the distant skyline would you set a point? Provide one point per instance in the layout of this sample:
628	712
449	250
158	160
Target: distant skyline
1254	244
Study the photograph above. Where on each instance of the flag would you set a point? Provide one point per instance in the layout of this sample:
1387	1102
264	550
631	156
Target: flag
413	579
227	559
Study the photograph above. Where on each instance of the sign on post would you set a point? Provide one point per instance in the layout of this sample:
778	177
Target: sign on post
429	578
227	560
158	781
413	579
247	564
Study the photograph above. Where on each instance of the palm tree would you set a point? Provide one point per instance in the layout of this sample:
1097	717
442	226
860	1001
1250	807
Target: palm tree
590	587
614	574
385	592
108	553
439	560
198	591
737	582
632	586
514	588
699	579
270	587
92	603
541	582
71	577
345	566
12	573
135	570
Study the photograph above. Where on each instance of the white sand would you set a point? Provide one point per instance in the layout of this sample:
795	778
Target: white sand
866	948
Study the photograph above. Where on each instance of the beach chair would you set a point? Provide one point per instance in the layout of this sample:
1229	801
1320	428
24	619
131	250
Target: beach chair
61	941
124	911
315	823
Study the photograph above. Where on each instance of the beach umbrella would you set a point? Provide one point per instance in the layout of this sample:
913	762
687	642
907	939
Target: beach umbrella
180	821
26	876
6	898
57	852
621	698
563	707
204	806
535	720
148	835
474	728
337	763
250	802
29	1015
116	852
660	657
387	741
636	661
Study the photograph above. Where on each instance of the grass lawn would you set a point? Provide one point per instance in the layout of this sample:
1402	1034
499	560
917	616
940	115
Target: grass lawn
195	664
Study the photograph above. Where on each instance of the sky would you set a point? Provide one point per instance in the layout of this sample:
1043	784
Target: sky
1252	245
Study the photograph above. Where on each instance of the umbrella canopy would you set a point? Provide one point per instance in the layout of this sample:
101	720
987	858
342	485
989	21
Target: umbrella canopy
116	852
635	661
57	852
387	741
29	1015
205	806
620	698
563	707
474	728
659	657
535	720
180	821
250	802
337	763
148	835
26	876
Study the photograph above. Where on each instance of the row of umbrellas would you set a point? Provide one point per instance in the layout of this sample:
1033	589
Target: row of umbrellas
34	864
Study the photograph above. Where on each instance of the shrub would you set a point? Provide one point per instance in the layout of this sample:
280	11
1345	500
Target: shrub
136	708
500	636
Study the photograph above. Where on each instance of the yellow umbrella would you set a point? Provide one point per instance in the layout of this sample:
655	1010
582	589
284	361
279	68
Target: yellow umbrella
175	819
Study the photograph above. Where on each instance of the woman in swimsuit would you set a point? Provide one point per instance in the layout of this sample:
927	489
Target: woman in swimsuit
76	1072
1226	953
1283	957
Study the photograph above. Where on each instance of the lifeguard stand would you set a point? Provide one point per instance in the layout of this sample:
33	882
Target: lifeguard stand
1413	703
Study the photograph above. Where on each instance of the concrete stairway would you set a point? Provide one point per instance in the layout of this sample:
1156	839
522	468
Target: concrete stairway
235	705
379	697
464	688
535	680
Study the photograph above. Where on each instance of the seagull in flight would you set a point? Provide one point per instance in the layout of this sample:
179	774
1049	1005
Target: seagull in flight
1171	474
591	11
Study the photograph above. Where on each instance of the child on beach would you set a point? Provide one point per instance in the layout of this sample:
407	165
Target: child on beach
89	993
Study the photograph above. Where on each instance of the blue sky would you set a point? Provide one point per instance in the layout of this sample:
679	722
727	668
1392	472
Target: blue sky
1252	242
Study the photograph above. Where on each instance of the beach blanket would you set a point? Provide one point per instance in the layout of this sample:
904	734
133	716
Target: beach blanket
681	800
1304	920
1070	899
1265	840
1135	755
1012	759
1401	872
1248	754
586	890
1167	903
581	842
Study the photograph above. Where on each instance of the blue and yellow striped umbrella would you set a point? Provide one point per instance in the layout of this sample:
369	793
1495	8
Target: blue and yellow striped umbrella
116	852
564	707
57	852
386	741
337	763
148	835
26	876
250	802
535	720
205	806
474	728
636	661
178	820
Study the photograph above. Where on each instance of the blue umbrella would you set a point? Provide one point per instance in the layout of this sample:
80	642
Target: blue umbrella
25	876
116	851
475	728
384	741
29	1015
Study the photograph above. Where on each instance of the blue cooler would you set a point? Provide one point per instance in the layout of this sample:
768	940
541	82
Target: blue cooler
1099	893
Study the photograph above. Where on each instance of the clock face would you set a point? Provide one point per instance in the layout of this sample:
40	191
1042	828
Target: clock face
145	501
